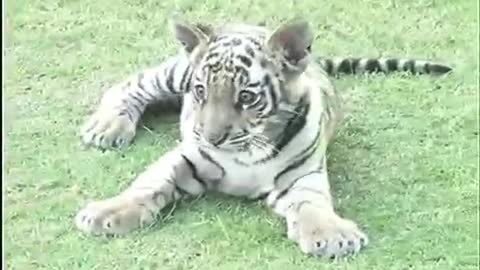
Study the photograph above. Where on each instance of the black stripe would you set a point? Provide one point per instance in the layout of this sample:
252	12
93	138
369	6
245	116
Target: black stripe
345	67
205	28
255	84
215	46
236	41
150	95
211	55
126	112
170	78
220	37
373	66
392	64
214	67
147	99
426	67
409	66
133	96
189	82
181	190
253	105
245	60
211	160
194	172
262	195
328	66
227	43
134	106
249	51
139	80
179	103
267	81
264	105
222	139
165	72
355	62
193	168
439	69
294	125
284	192
241	71
300	158
158	84
185	78
254	42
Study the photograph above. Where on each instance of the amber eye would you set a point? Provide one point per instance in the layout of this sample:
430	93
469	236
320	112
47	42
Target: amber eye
247	97
199	91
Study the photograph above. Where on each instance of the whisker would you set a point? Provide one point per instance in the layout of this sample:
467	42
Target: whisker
259	147
240	135
264	141
291	111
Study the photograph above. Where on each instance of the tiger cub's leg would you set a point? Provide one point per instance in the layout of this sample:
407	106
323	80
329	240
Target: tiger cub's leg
311	220
170	178
115	120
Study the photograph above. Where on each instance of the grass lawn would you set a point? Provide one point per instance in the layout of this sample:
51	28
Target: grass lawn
404	164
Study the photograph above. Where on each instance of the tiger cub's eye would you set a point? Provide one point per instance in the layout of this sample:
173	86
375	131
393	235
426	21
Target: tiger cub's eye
199	91
247	97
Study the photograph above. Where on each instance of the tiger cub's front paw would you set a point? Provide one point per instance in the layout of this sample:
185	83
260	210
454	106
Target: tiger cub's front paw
112	216
322	232
106	129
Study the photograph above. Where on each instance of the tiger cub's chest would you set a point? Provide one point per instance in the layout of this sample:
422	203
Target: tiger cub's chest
244	179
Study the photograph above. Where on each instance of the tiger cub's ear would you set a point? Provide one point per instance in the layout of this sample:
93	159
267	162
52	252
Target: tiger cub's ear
205	28
190	36
293	40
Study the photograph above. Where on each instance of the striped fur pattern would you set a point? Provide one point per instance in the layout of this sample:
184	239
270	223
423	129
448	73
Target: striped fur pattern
258	113
338	66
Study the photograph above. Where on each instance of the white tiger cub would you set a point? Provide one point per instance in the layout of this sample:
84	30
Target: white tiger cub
257	115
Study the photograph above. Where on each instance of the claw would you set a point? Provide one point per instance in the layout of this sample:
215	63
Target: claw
108	129
326	234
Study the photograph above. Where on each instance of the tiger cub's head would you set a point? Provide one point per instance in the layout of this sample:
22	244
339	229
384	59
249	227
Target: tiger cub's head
241	75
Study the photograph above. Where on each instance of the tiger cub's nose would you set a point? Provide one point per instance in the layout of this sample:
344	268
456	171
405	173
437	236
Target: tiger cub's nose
216	139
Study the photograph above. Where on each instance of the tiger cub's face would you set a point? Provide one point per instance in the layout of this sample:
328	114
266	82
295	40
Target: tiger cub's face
236	89
239	80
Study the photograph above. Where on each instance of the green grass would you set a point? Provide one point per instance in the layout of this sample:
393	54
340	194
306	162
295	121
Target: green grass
404	164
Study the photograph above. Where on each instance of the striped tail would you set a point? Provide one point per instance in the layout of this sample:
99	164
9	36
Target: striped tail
337	66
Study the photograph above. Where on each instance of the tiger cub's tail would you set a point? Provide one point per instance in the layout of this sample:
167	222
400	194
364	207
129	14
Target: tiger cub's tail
337	66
